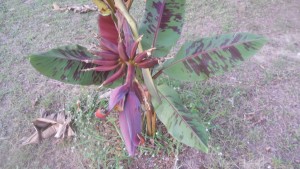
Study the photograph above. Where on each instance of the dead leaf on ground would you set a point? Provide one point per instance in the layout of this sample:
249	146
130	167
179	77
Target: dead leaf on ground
55	6
75	8
55	124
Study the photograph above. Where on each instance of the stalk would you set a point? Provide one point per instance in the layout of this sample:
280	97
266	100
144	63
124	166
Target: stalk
130	74
150	113
146	72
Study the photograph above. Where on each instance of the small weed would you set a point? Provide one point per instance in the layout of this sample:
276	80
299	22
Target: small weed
277	163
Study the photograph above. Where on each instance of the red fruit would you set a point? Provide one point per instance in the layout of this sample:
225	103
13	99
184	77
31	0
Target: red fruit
122	51
118	74
144	55
135	46
102	62
148	63
106	55
101	68
99	114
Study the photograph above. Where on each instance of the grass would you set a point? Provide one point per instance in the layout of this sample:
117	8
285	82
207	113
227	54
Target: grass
267	89
26	28
99	141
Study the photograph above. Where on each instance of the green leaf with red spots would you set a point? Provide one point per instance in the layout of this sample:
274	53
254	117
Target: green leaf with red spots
206	57
64	64
162	25
180	123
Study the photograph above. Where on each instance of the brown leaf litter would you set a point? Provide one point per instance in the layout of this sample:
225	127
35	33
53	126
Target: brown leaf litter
74	8
55	124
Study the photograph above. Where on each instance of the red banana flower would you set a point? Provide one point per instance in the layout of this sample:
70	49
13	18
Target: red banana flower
125	101
118	54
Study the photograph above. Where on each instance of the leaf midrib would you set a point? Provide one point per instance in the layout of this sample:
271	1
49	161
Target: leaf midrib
158	23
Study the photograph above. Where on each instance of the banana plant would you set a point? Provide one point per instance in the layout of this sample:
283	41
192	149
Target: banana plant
133	59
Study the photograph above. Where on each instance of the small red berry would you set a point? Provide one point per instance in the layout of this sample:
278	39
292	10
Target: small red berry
99	114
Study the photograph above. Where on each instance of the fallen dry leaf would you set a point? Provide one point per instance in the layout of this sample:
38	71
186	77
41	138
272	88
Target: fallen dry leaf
75	8
55	124
55	6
